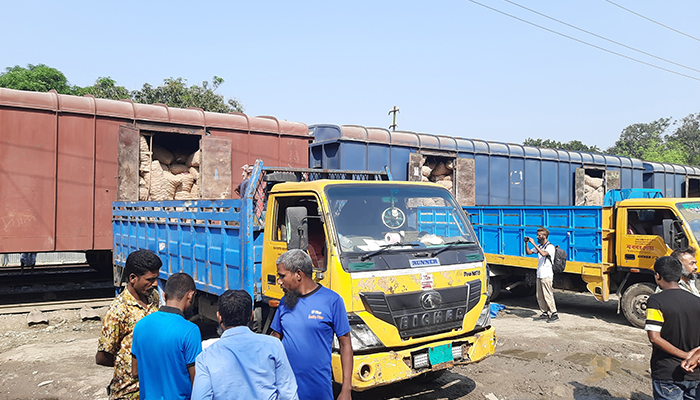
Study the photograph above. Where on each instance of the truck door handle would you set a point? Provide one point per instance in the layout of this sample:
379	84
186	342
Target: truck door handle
629	257
271	279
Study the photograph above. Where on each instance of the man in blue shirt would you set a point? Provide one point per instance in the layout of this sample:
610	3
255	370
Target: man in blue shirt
166	345
242	364
306	320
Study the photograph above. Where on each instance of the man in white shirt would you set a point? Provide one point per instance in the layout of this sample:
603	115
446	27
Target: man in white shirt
545	274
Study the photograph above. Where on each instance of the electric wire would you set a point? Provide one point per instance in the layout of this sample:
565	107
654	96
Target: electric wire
601	37
584	42
651	20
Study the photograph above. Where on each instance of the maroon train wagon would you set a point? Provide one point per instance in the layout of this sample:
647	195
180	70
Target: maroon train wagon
60	155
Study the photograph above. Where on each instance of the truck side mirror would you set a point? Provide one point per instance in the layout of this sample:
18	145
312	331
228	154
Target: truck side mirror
297	226
673	234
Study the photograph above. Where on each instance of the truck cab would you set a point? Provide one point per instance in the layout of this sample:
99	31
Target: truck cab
406	262
646	229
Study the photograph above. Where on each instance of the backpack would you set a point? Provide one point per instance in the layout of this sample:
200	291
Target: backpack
559	263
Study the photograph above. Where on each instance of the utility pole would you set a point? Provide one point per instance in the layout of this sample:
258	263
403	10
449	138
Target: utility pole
394	111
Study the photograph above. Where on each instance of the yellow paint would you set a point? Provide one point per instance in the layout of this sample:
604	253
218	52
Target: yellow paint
388	366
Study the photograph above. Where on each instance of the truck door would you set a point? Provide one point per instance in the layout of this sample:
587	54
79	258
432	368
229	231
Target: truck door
639	234
276	239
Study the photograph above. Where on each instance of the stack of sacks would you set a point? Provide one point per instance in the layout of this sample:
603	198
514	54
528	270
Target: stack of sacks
168	176
593	190
439	170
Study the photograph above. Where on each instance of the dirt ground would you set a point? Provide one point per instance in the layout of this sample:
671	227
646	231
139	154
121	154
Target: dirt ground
590	354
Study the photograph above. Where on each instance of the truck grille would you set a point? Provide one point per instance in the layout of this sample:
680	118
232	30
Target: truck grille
426	312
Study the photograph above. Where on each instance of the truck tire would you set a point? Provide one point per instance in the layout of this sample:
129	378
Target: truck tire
494	288
634	302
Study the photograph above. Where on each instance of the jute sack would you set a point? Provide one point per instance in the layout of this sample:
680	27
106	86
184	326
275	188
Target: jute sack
172	182
194	171
144	155
179	168
440	169
194	159
595	183
158	183
195	191
163	155
186	182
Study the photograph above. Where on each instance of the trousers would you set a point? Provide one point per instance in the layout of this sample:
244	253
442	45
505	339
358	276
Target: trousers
545	296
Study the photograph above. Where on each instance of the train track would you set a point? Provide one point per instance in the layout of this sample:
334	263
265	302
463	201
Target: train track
46	283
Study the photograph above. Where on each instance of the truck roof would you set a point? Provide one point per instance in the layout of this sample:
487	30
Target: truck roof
321	184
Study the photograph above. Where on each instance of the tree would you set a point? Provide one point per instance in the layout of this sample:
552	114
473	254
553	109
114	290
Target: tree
37	78
638	138
574	145
687	137
105	88
175	93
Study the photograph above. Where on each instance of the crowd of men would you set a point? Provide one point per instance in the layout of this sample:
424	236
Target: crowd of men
157	353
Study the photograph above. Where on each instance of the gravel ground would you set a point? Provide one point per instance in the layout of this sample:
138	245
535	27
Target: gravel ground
591	353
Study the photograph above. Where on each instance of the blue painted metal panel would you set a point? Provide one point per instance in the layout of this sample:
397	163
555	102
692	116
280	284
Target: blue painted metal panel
212	240
577	230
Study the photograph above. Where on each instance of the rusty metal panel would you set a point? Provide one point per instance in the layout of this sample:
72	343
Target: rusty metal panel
106	139
612	180
415	163
128	164
27	179
579	184
464	182
215	170
265	147
75	182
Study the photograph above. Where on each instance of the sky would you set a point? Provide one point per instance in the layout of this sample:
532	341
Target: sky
452	67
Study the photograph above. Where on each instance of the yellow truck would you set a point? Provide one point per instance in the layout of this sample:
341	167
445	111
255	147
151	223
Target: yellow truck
610	248
402	255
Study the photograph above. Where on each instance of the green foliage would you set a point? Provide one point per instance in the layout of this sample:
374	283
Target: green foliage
574	145
639	138
105	88
174	92
37	78
687	136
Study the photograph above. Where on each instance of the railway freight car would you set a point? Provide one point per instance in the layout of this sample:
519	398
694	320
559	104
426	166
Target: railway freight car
479	172
59	172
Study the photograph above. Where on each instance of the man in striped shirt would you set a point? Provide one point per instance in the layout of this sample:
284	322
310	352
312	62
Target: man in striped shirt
673	328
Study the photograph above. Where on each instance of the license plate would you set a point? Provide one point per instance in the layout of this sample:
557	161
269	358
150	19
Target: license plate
440	354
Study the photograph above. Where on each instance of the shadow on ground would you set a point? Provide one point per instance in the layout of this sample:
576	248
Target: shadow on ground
450	386
585	392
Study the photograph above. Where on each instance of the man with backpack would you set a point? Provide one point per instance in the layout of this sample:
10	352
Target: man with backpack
545	274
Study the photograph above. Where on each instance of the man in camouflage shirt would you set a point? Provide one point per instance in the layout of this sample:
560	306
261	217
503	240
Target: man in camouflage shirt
139	299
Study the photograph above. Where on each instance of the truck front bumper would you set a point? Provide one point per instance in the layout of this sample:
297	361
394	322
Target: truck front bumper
383	368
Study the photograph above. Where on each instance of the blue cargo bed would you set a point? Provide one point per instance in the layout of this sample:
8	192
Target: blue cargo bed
208	239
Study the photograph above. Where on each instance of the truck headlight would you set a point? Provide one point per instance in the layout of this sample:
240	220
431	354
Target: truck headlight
361	337
485	316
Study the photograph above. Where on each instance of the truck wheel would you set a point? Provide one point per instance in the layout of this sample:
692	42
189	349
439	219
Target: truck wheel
634	303
494	288
430	376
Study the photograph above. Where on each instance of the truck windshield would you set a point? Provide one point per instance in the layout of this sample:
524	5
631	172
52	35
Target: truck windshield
374	217
691	213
